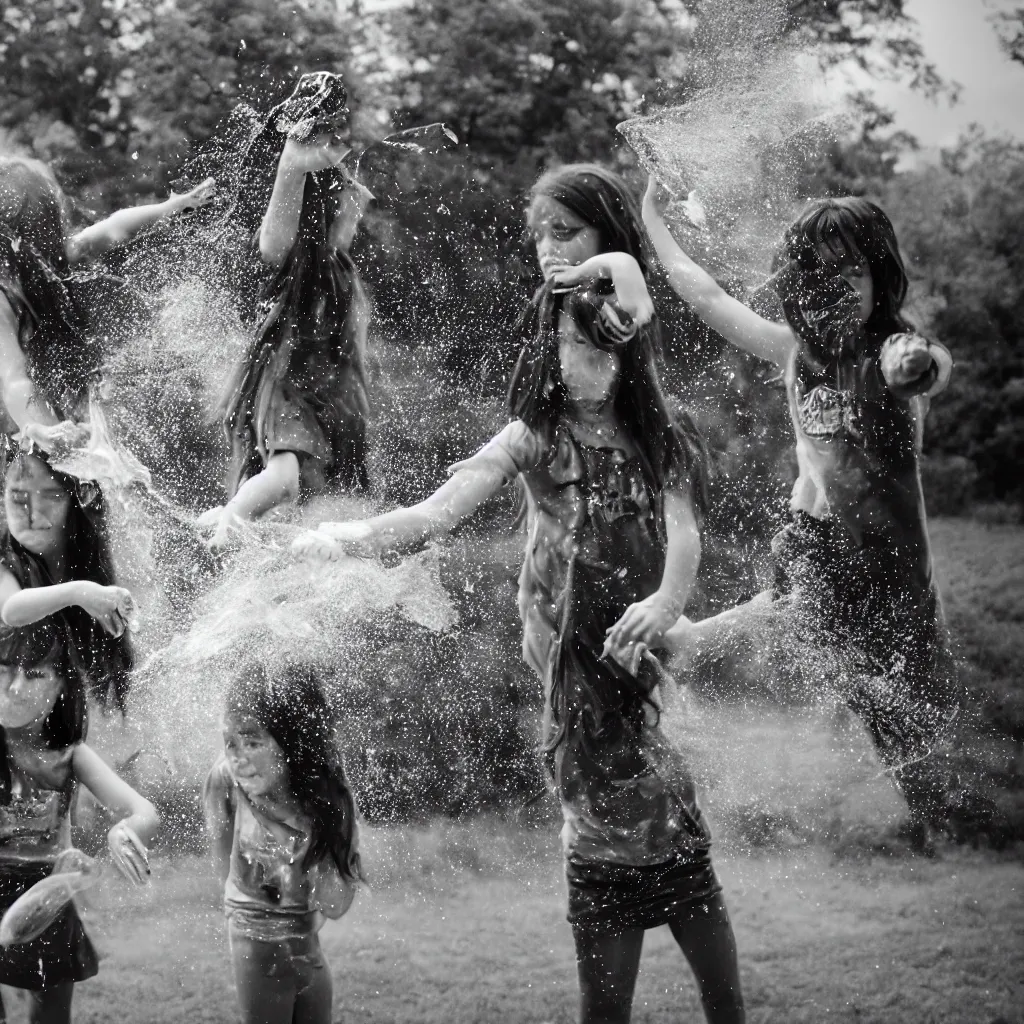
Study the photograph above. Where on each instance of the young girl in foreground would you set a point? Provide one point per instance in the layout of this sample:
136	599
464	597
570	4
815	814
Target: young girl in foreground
611	484
47	359
283	826
42	760
295	413
853	567
55	564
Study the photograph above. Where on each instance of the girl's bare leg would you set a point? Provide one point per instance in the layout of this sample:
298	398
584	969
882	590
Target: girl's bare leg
47	1006
607	965
705	936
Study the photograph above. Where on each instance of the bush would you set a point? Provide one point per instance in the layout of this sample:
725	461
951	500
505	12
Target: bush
949	483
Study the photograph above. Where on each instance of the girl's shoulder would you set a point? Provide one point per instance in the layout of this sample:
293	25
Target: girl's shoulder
516	448
219	789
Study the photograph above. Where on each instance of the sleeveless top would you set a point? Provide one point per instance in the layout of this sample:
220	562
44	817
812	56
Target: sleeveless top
35	823
267	876
857	446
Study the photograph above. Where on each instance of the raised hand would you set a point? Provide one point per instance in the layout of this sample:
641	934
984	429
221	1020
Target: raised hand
315	154
904	360
626	276
113	608
195	198
129	853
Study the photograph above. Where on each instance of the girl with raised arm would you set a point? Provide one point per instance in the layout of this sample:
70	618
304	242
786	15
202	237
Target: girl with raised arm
295	412
853	568
613	486
47	358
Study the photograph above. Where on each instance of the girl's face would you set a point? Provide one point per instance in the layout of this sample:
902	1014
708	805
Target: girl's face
588	372
254	757
854	270
561	237
37	506
28	693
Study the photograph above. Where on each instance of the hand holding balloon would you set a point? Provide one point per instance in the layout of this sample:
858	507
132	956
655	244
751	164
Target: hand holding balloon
129	853
32	913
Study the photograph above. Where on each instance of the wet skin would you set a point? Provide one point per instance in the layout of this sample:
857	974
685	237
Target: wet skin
561	237
27	694
37	506
255	759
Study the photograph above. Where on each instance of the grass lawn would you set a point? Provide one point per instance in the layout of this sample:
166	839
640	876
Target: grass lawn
465	924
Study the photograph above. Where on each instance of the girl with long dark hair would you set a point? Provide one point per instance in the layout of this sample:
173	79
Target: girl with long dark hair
853	567
42	760
48	356
283	826
614	486
295	410
55	564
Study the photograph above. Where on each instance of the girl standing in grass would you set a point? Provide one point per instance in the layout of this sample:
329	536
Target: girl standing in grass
48	359
295	412
42	760
283	826
853	567
613	486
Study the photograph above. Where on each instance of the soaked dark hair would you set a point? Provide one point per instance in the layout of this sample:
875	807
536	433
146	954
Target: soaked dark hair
44	644
671	448
290	704
315	285
857	229
104	661
63	360
668	444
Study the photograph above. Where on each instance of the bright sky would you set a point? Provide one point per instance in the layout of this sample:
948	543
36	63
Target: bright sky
959	39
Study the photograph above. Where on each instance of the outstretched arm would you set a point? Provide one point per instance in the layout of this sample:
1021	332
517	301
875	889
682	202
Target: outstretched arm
648	620
407	528
123	225
738	324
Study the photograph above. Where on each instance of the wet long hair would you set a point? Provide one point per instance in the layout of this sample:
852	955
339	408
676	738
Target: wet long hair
602	698
63	359
104	662
39	644
314	281
859	230
668	444
290	704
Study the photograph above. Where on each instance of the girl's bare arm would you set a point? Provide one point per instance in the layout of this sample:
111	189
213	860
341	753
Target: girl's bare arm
280	227
22	399
123	225
737	323
408	528
649	619
220	822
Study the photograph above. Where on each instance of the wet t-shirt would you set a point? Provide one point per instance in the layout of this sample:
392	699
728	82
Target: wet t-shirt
35	823
857	446
595	545
267	874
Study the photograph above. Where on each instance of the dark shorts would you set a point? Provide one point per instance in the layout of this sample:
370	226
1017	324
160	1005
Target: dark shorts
61	954
870	603
619	897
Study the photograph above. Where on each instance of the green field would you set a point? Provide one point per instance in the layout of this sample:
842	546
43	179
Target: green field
465	924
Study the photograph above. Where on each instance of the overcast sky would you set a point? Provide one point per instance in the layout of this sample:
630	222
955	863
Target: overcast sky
958	38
